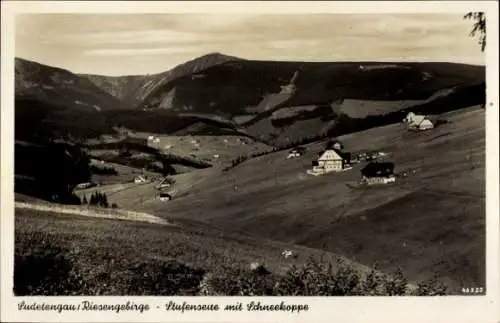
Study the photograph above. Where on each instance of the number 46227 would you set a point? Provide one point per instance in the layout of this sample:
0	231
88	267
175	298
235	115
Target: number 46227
474	290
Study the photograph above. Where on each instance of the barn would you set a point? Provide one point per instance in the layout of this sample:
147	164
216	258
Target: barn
296	152
140	179
164	197
378	173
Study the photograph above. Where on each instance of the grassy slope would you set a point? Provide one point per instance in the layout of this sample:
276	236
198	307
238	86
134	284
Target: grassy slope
431	221
106	243
131	195
227	146
125	173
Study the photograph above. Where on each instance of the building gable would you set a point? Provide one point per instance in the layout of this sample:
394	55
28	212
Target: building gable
426	123
329	155
416	120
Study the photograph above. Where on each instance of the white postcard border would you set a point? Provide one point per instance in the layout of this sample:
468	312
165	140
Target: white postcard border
341	309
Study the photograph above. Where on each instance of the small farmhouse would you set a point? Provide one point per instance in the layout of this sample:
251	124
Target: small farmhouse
140	179
164	183
296	152
418	122
164	197
337	145
378	173
287	253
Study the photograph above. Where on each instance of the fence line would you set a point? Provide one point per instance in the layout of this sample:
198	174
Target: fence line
93	212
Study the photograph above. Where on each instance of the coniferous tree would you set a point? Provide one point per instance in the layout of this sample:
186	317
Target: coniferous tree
105	201
101	199
92	199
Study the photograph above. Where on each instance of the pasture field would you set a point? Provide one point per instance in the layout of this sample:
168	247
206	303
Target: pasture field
437	226
119	257
218	150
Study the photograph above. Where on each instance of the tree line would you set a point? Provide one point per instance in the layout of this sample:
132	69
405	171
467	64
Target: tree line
98	199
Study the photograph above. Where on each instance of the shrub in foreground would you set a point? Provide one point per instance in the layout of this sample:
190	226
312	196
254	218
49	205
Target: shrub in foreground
43	267
316	278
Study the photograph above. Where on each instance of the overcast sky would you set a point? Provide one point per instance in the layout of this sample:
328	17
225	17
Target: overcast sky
124	44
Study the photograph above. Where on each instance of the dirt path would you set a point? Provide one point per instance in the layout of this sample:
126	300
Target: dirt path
93	212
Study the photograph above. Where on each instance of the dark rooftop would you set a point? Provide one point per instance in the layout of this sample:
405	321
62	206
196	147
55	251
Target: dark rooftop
376	169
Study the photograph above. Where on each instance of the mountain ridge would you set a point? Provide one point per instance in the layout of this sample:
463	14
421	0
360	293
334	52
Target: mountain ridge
136	88
251	95
61	86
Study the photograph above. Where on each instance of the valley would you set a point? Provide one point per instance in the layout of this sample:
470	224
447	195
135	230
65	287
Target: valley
220	128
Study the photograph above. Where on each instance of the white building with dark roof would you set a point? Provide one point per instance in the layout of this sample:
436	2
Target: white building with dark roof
418	122
329	161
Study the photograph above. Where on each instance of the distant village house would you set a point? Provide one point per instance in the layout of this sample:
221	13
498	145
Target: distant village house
140	179
296	152
164	183
164	197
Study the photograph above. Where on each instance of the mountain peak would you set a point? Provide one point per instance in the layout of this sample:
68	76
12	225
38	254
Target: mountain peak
217	56
209	60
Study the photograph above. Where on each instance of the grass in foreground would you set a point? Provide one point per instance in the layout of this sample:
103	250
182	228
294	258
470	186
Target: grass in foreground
47	264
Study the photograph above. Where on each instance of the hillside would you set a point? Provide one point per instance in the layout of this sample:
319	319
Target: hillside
130	89
58	103
272	102
42	119
220	127
135	89
256	91
53	103
116	257
431	221
60	87
256	107
278	102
